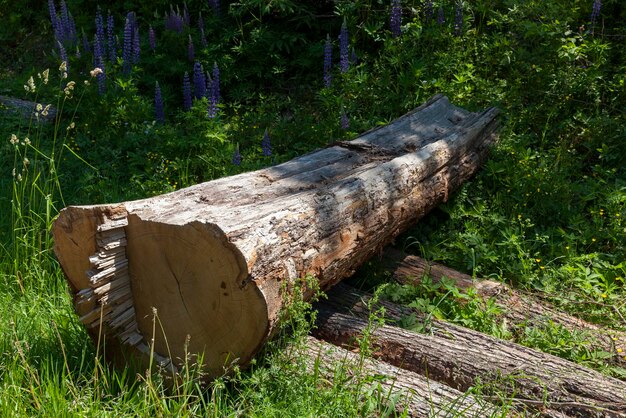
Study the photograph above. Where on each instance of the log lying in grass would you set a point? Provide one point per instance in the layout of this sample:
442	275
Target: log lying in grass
201	270
406	391
518	309
27	109
459	356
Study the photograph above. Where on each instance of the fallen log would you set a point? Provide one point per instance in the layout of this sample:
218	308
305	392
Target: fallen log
518	309
27	109
202	270
459	356
405	391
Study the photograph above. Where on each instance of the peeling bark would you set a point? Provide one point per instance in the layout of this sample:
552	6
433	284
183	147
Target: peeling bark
459	356
208	264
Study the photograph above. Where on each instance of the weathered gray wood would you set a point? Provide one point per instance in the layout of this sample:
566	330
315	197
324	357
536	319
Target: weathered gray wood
411	393
27	109
459	356
209	263
519	309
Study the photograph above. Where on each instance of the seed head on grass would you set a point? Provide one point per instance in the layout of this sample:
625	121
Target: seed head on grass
328	62
158	105
266	146
395	20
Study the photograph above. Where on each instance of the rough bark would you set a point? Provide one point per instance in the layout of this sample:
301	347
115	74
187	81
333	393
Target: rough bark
403	390
201	270
26	109
459	357
518	308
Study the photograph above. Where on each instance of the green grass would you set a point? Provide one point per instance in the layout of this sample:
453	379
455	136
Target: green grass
546	214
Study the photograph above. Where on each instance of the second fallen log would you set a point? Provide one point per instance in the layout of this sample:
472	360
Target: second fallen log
201	270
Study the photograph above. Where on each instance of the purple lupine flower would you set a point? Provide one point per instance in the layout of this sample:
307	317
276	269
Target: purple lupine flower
215	6
266	147
174	21
101	77
199	81
354	59
216	83
53	17
63	56
100	32
86	46
186	19
158	105
112	47
328	62
97	51
201	29
186	92
344	44
441	18
595	13
190	50
73	37
345	122
212	107
428	10
458	19
65	22
152	38
136	46
395	20
127	50
236	157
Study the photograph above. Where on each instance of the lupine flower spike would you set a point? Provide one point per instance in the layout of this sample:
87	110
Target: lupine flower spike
158	105
100	32
345	122
265	144
136	46
428	10
396	18
186	92
595	13
458	19
112	44
127	52
344	44
236	156
199	81
441	18
328	57
190	50
151	38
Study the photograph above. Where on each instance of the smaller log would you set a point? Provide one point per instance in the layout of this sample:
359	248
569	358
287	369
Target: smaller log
407	392
26	109
518	309
459	356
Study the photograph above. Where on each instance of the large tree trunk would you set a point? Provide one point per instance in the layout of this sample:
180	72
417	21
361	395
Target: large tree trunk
405	391
518	308
459	356
201	270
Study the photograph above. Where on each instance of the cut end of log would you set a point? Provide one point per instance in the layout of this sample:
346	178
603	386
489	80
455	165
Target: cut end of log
180	293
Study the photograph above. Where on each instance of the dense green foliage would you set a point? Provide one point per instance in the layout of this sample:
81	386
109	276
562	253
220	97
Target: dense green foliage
547	212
